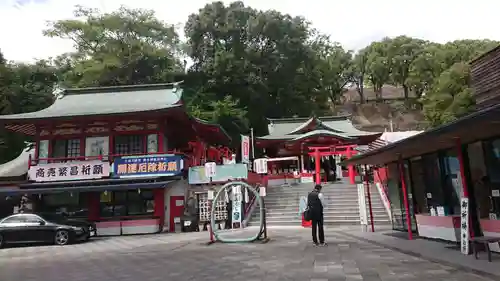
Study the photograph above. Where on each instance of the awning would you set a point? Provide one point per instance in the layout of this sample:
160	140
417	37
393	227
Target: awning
477	126
103	185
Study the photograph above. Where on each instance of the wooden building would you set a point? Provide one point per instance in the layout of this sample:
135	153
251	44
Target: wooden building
115	156
485	76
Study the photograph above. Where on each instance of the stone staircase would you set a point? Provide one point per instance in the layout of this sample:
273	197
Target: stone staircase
282	203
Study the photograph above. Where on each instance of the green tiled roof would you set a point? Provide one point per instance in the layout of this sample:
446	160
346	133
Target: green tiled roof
295	137
288	128
107	100
321	133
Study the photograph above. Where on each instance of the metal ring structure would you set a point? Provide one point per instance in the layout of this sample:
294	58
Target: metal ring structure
261	216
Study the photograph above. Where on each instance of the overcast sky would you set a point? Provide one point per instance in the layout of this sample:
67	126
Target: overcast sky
353	23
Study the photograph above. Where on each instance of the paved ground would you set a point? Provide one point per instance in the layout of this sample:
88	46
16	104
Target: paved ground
289	256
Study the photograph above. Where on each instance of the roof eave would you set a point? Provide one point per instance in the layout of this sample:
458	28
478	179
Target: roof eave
13	121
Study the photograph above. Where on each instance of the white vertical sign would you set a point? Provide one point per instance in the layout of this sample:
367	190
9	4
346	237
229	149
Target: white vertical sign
236	212
363	216
260	166
464	226
210	169
245	149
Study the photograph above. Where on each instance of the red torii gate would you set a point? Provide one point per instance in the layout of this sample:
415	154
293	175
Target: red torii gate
318	151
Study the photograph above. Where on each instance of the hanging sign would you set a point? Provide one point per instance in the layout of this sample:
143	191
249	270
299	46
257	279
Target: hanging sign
236	212
245	149
260	166
223	173
69	171
148	165
464	226
210	169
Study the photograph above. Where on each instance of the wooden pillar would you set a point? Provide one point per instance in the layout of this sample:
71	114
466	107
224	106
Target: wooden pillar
405	198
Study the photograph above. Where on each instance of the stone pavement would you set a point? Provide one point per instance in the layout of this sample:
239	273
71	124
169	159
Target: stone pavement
441	252
289	256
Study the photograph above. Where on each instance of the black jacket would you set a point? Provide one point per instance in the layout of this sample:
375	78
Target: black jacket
314	203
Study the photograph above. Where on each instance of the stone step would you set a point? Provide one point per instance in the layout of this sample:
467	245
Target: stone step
295	207
327	200
326	217
326	212
332	196
291	203
299	222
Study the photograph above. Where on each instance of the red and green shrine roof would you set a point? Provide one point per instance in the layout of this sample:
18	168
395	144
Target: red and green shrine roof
106	101
304	129
82	103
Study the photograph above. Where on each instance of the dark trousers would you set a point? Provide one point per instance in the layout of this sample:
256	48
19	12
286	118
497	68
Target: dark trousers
317	225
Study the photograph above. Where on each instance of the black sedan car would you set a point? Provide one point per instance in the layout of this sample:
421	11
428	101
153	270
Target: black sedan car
36	228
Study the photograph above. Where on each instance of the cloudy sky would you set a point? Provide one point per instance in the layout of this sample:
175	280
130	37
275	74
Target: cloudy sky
353	23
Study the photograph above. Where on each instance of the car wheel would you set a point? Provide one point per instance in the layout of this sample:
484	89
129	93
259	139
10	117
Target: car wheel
1	241
62	237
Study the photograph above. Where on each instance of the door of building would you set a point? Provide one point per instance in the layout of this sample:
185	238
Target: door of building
176	211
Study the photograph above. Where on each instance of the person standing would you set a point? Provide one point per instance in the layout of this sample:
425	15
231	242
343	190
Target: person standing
315	205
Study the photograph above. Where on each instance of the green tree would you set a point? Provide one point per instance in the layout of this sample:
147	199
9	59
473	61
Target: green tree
23	88
124	47
263	59
378	65
450	97
425	68
358	73
333	68
402	52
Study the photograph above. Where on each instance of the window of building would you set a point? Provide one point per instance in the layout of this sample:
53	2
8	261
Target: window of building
71	204
452	182
66	148
129	144
127	203
431	172
492	185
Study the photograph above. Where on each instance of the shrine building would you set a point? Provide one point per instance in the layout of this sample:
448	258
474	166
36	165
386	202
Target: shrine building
311	148
117	156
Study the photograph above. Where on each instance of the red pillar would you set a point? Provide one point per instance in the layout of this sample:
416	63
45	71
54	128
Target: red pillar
159	210
350	168
405	198
460	157
367	186
317	163
94	199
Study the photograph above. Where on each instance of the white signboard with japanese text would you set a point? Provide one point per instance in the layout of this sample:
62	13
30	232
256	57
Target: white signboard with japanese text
237	200
464	226
210	169
260	166
245	149
69	171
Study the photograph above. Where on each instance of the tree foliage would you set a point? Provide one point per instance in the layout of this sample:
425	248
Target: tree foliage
23	88
124	47
450	96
